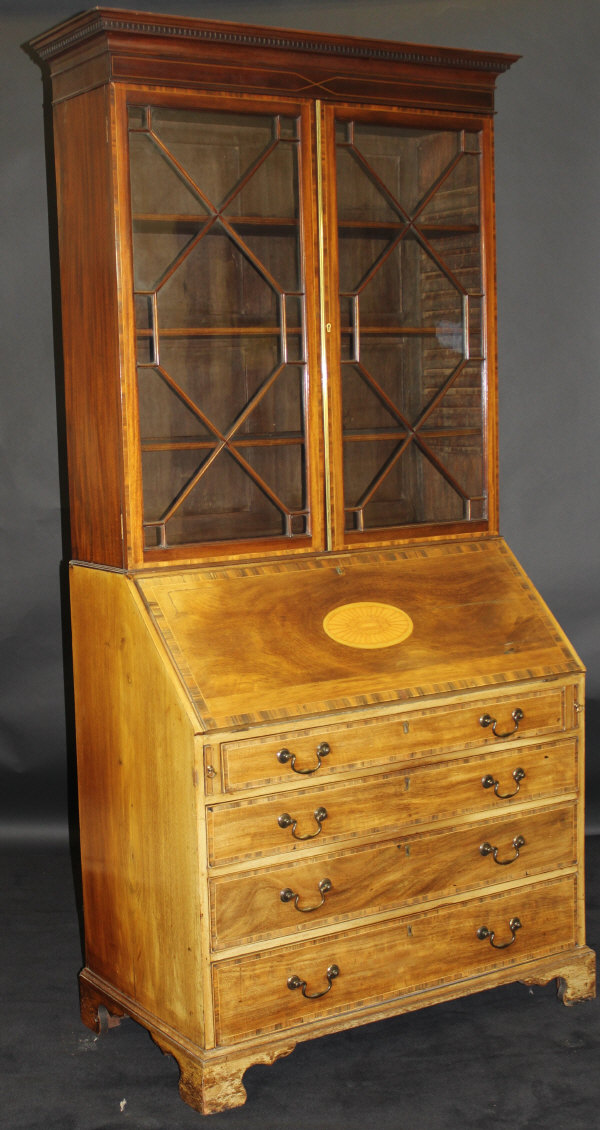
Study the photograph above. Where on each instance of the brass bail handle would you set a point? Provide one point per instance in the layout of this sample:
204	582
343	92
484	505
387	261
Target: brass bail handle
483	933
284	756
489	782
296	982
487	849
287	821
288	894
487	720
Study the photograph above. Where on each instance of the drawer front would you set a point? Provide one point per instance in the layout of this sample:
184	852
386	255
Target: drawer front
306	894
385	962
293	756
385	803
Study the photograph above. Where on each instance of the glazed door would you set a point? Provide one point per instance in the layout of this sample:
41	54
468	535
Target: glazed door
408	349
312	290
222	252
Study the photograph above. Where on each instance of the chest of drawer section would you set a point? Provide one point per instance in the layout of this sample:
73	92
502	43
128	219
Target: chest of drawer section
411	829
388	803
375	879
313	980
332	746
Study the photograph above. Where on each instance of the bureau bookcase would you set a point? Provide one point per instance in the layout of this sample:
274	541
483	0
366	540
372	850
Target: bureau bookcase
330	739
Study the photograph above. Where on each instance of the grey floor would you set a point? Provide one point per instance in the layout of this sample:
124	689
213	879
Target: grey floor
513	1057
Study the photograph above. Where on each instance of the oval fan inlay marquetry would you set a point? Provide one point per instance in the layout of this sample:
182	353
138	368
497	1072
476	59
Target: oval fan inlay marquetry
368	624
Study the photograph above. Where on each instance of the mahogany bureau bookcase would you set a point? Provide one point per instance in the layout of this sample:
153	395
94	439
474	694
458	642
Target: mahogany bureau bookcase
330	739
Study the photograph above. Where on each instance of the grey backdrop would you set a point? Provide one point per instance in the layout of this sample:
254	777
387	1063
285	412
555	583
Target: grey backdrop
548	182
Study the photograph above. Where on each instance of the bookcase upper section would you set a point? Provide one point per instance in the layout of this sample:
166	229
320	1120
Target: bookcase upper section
278	288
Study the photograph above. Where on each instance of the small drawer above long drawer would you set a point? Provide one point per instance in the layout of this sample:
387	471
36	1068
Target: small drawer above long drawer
385	803
302	983
331	747
306	894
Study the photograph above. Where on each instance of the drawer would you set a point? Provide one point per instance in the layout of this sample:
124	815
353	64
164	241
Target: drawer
305	894
254	762
385	803
385	962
